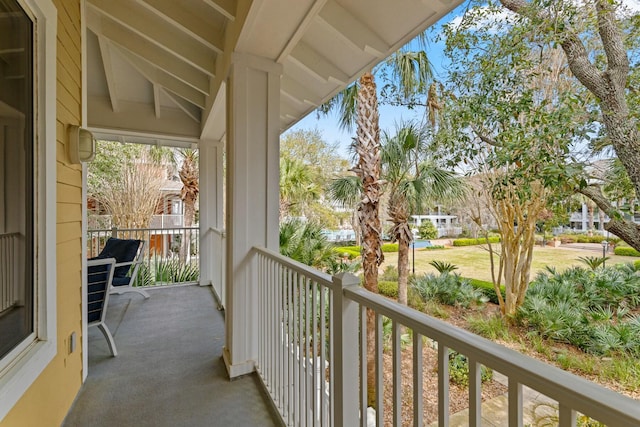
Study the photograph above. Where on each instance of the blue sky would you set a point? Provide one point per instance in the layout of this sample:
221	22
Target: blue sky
389	115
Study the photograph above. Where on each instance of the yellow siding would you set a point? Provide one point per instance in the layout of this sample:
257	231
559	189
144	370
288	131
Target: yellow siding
48	400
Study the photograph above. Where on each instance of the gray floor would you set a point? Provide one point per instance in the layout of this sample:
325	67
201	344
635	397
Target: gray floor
169	370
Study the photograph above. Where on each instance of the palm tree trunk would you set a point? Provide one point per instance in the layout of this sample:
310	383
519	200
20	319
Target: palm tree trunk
368	169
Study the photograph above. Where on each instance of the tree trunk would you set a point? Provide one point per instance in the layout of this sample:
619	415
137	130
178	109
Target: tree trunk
368	169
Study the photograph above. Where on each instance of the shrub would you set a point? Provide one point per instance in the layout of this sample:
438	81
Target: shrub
443	267
389	247
427	230
583	238
626	251
487	289
390	273
388	289
450	289
459	370
474	242
349	251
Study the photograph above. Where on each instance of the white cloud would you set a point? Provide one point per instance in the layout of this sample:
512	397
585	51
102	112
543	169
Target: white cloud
633	5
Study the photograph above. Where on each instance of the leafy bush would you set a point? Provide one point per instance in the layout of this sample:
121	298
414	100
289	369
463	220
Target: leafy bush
443	267
487	288
459	370
390	273
389	247
589	309
388	288
347	251
450	289
583	238
427	230
474	242
626	251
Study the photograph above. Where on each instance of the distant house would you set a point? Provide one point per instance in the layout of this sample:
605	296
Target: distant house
447	225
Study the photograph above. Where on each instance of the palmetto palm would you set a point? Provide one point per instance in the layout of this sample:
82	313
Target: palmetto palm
297	186
189	175
359	103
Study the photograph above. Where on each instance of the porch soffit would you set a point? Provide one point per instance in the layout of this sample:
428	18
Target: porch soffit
156	68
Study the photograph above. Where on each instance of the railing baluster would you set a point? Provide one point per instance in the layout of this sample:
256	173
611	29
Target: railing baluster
515	403
443	385
379	371
290	344
363	365
567	416
475	392
324	409
418	404
397	373
314	351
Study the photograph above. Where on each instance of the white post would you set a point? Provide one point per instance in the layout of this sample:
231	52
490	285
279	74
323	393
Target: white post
253	132
211	153
345	361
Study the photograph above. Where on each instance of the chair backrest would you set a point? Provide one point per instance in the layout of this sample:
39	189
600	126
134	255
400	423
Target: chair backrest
99	277
124	251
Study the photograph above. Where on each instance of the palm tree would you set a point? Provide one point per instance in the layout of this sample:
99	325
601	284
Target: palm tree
359	103
412	181
298	186
189	175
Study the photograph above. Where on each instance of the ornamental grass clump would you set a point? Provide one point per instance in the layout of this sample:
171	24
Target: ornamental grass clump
449	289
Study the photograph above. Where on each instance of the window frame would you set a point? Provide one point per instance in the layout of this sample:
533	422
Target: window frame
24	364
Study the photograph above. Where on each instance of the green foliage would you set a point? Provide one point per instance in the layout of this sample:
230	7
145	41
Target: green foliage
583	238
459	370
172	270
390	273
389	247
305	243
450	289
593	262
487	288
388	289
473	242
427	230
493	328
587	308
626	251
351	252
443	267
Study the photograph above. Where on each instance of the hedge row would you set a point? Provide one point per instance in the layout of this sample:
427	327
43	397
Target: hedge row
354	251
583	238
473	242
626	251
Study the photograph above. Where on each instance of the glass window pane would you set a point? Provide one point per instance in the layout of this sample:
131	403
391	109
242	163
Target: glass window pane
16	176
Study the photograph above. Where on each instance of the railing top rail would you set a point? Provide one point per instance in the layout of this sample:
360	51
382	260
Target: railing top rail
313	274
582	395
109	230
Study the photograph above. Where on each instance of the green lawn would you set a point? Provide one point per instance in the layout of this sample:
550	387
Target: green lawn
473	261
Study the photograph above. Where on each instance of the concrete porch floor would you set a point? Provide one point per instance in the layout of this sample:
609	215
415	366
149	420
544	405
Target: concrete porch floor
169	370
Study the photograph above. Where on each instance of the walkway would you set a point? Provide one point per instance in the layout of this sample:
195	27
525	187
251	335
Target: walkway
169	370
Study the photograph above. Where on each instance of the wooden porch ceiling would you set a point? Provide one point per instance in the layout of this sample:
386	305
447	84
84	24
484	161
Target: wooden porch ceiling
157	67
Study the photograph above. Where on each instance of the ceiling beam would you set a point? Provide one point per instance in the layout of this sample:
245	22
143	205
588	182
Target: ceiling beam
105	53
148	51
226	8
167	81
301	30
178	15
182	104
317	65
156	100
154	29
351	30
297	91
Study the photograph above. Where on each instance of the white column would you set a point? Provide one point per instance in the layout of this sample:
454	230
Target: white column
253	132
211	196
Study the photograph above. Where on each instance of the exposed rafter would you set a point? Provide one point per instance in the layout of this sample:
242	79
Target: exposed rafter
182	104
167	81
149	26
351	30
225	7
302	28
148	51
177	15
298	92
105	52
317	65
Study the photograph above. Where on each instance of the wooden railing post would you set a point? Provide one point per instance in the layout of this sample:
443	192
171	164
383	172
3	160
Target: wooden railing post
345	360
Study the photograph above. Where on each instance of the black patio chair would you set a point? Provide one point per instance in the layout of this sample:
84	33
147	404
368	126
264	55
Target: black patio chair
129	255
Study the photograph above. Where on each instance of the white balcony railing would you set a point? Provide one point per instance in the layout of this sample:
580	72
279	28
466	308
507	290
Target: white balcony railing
312	357
219	265
9	284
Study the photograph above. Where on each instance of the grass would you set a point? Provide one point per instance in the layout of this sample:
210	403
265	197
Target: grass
473	261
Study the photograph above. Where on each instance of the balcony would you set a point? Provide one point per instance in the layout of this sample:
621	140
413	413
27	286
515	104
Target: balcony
169	370
310	359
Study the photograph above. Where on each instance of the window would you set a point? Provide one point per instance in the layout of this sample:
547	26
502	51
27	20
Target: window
28	340
16	177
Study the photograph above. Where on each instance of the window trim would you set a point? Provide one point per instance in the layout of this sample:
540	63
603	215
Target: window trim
19	371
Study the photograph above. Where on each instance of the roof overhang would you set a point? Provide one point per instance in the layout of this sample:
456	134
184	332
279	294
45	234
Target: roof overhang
157	68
